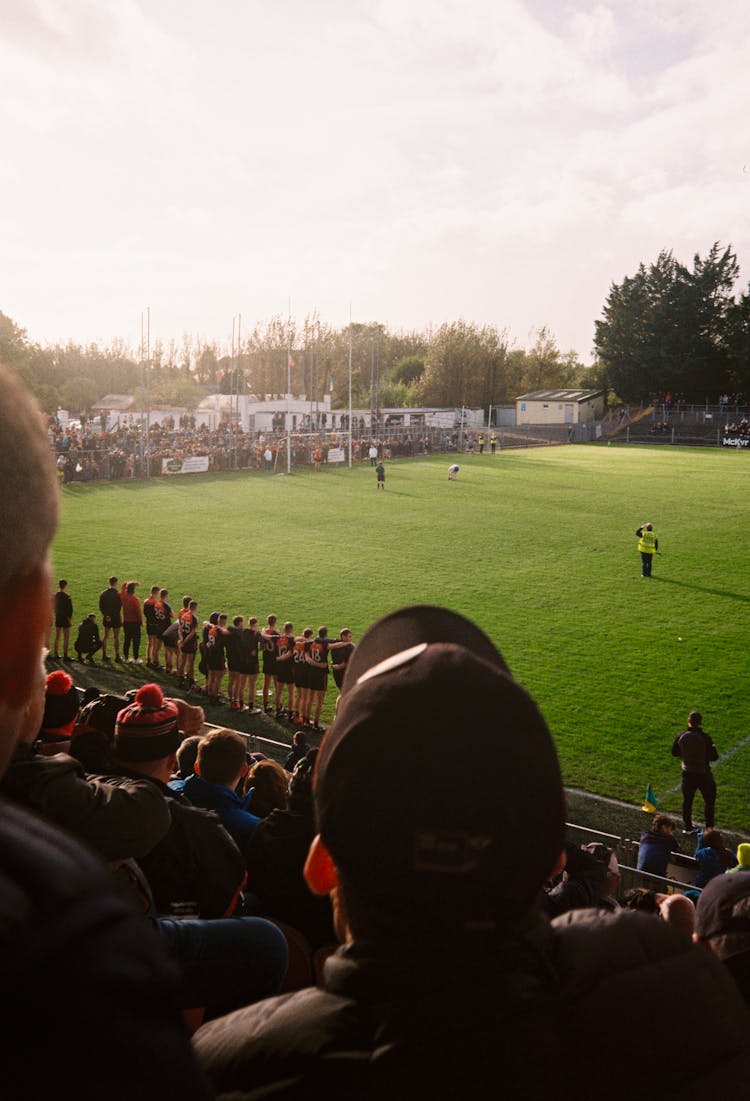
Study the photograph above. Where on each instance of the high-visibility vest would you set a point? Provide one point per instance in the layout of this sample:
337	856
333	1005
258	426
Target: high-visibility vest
647	542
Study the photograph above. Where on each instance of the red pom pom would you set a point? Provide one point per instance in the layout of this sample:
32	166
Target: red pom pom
151	696
59	683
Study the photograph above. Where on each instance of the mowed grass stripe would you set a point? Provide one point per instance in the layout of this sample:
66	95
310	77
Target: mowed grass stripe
536	546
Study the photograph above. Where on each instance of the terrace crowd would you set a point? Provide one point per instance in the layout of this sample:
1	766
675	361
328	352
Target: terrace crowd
89	453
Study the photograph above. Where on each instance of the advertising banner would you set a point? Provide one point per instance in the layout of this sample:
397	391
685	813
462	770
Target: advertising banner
336	455
193	464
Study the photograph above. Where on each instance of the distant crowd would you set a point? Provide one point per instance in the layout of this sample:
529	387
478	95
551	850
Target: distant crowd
89	454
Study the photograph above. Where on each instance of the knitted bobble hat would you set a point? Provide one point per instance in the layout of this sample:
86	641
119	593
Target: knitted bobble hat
60	704
147	729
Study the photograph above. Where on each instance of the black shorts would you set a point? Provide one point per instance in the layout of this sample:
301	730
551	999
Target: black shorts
300	674
317	678
190	647
112	621
62	621
338	676
284	672
269	663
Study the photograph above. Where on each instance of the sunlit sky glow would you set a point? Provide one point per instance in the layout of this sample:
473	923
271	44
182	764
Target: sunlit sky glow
497	160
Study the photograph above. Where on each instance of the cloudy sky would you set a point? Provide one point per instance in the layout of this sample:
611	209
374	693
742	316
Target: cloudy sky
498	160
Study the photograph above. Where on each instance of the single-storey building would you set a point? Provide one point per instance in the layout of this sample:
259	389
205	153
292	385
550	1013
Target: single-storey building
560	406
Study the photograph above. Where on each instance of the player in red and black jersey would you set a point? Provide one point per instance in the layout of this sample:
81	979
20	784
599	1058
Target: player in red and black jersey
300	667
344	649
284	670
269	635
214	633
110	605
252	638
187	643
149	614
317	672
63	619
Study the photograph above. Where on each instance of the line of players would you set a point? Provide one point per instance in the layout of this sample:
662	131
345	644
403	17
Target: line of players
297	663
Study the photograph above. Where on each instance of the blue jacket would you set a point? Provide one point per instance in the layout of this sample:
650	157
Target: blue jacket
231	809
710	863
654	852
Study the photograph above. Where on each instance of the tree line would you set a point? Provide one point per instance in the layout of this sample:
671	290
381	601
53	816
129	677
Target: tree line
458	363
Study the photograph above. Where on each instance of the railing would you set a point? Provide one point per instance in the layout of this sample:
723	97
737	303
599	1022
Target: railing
682	868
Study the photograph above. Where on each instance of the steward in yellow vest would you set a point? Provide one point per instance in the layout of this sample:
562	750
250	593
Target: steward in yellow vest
648	545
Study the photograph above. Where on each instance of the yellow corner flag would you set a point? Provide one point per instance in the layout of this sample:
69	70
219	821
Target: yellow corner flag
650	803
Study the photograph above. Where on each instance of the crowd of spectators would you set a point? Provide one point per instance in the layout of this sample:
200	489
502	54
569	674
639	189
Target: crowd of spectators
737	429
89	453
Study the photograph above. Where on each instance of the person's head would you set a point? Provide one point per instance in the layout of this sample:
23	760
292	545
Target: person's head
269	782
131	587
186	756
252	622
308	632
154	590
237	621
222	757
608	858
62	583
424	849
271	620
28	509
112	581
322	632
163	594
91	617
695	719
346	635
722	915
299	738
186	601
712	839
213	619
649	527
288	628
147	734
641	898
663	824
193	605
679	912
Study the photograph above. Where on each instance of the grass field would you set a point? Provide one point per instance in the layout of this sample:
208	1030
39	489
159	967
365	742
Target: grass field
536	546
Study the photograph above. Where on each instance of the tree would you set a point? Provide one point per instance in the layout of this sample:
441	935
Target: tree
667	328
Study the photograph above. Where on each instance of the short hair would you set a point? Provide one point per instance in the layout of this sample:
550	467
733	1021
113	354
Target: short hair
186	601
695	718
237	621
186	755
29	495
269	782
221	755
288	626
154	589
113	580
322	632
130	587
308	632
663	820
270	620
252	620
62	583
163	593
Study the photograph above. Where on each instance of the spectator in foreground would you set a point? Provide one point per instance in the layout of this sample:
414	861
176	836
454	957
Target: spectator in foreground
722	925
657	845
87	991
450	981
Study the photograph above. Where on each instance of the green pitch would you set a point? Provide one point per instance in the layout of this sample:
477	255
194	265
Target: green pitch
536	546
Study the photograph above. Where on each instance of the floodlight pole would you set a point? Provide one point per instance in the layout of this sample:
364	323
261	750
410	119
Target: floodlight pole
146	348
350	385
289	391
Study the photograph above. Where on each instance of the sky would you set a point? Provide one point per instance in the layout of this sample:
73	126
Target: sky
413	161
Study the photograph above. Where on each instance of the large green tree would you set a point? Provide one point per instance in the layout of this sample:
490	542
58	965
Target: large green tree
667	328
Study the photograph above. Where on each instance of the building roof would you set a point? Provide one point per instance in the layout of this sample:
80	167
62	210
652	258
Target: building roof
117	403
561	395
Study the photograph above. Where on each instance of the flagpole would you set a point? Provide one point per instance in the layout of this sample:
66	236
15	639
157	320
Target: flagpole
350	385
288	391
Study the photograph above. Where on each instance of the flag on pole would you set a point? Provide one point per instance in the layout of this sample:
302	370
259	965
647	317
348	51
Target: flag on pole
650	803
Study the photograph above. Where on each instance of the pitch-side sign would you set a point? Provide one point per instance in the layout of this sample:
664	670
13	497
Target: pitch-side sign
736	441
336	455
193	464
